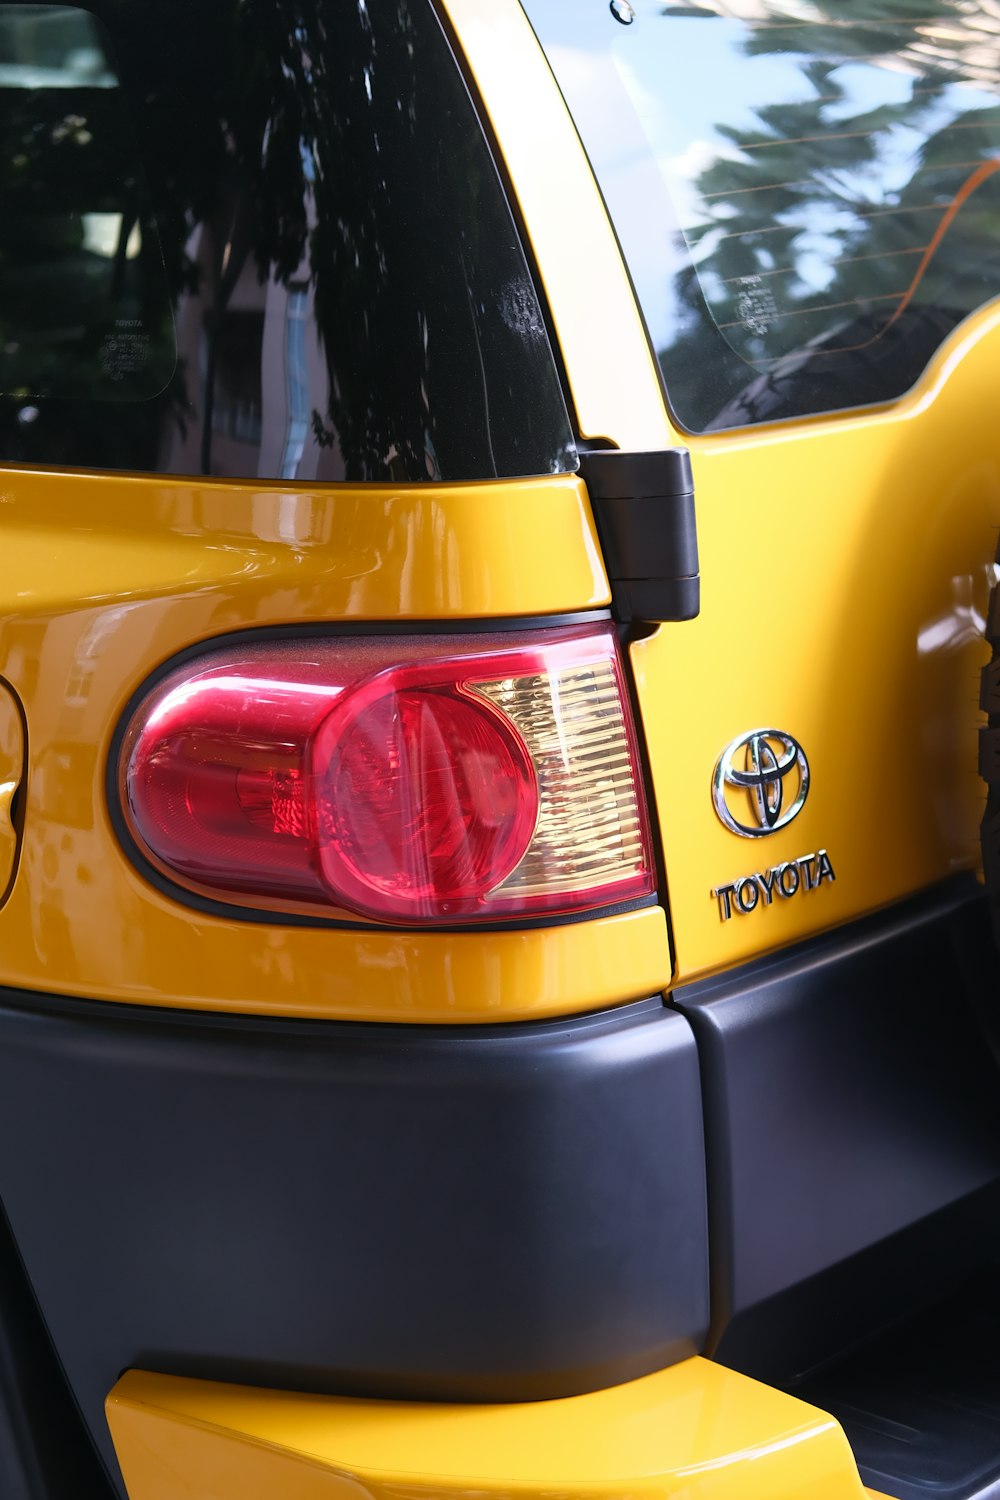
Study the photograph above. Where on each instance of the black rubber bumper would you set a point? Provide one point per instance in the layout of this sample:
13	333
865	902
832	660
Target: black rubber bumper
514	1212
852	1100
470	1213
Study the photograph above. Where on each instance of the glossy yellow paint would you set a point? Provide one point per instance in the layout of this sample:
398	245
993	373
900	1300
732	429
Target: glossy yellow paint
845	563
609	365
104	577
694	1432
342	552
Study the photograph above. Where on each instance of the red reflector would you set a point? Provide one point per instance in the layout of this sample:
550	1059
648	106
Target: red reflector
418	780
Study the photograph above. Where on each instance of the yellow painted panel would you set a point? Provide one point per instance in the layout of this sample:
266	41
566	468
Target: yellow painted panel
104	577
351	552
845	563
81	924
693	1432
609	364
845	571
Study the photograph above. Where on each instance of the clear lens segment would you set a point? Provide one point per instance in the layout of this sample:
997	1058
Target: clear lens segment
590	832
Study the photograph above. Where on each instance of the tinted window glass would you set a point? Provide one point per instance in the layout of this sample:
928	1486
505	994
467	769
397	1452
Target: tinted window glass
808	194
260	238
83	295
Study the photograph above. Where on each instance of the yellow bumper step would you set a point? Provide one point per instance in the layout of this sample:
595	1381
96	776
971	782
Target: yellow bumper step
693	1432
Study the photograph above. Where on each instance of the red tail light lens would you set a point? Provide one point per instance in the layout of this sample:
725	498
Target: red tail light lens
429	780
424	795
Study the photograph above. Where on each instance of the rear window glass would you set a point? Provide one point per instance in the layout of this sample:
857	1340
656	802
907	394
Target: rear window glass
260	238
807	195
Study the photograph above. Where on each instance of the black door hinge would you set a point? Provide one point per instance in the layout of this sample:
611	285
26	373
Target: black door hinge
644	509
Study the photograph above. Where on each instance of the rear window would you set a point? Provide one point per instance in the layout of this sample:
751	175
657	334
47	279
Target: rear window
807	195
261	239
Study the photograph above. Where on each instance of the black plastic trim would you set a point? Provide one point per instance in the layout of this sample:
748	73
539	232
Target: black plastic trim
852	1122
20	797
656	474
479	1213
644	510
45	1452
661	599
478	625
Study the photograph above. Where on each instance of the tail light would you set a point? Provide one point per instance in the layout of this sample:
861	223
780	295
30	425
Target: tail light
411	781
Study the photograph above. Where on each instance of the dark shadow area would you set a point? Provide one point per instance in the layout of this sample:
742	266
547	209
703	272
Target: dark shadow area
921	1406
44	1451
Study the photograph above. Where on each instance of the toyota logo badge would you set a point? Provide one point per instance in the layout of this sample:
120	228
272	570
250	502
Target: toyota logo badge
760	782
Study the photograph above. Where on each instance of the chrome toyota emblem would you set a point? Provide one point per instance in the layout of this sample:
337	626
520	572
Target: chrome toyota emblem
760	782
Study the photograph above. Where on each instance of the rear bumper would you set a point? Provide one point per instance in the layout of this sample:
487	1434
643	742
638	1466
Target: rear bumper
475	1214
512	1213
694	1432
852	1120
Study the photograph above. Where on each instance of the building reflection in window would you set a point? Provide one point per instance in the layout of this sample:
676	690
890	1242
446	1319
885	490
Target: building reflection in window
261	238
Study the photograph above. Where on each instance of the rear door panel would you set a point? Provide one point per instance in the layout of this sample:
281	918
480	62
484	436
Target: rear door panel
845	559
845	576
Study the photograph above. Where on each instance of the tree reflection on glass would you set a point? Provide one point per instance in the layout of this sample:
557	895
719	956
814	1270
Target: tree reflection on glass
840	230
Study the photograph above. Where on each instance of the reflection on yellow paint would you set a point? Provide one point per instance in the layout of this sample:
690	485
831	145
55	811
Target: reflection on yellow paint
693	1432
103	578
844	565
854	623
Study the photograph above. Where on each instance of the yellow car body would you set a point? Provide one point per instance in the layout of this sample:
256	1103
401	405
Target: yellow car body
845	572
